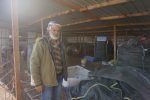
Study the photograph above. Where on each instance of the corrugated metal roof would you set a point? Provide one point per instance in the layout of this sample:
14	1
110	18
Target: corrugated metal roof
81	13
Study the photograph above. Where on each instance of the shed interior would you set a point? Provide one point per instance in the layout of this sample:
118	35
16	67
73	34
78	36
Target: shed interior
82	22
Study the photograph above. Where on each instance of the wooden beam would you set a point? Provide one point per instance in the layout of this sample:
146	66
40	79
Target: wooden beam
84	9
131	33
77	8
110	18
109	25
68	4
15	34
42	28
54	15
109	31
115	44
103	4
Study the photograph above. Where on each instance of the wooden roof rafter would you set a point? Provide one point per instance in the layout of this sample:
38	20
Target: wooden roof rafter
84	9
110	25
77	8
109	31
110	18
104	4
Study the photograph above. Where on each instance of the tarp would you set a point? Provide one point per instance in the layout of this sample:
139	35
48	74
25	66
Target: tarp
134	77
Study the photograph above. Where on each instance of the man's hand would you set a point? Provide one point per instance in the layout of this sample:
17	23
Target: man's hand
39	88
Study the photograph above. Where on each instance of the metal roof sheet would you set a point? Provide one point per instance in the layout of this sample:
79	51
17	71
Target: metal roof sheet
75	13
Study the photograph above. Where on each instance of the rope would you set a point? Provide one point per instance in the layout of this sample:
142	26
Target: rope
127	98
98	84
113	87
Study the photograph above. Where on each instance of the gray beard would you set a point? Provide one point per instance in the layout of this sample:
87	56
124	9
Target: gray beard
54	37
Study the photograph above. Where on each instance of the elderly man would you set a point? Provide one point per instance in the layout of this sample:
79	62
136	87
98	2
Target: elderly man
47	64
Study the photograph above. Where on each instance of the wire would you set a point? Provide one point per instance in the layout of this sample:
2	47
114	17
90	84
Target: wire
113	87
127	98
90	89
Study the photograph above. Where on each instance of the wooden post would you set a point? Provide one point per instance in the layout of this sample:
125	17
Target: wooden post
126	35
94	44
42	28
15	36
115	44
80	39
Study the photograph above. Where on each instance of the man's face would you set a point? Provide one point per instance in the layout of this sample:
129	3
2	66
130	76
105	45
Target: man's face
54	31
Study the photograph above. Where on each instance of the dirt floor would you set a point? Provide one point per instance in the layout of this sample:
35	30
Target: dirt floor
5	95
71	61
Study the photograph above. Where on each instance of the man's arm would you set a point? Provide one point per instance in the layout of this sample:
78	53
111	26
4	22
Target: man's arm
35	63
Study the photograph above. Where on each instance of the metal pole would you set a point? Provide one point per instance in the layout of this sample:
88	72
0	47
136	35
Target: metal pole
15	36
42	28
115	44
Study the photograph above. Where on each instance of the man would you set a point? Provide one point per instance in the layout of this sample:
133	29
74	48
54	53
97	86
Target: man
48	67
